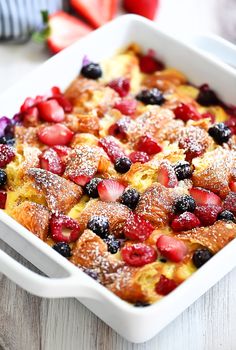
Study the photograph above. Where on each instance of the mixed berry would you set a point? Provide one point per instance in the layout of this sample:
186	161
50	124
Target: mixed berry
130	176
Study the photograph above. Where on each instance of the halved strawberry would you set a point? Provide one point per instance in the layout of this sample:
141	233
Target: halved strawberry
138	156
7	154
31	117
65	30
64	229
110	190
203	196
97	12
165	285
146	8
186	112
148	144
137	228
112	148
232	185
119	129
184	222
28	103
50	161
208	213
171	248
121	86
126	106
57	134
166	175
81	180
51	111
61	99
3	199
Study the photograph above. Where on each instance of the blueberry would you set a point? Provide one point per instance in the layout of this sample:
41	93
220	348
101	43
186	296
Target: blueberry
183	170
130	198
91	187
151	97
201	256
92	71
91	273
99	225
3	177
227	216
7	140
220	133
113	245
141	304
184	203
63	249
207	97
122	165
163	260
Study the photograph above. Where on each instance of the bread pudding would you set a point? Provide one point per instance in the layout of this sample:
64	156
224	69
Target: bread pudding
130	174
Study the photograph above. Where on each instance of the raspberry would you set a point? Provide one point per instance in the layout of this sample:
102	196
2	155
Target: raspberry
207	214
137	228
185	221
165	285
138	254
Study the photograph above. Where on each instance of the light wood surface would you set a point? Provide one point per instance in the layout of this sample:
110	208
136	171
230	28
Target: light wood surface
31	323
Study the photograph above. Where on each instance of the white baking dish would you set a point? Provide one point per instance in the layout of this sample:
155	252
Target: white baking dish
135	324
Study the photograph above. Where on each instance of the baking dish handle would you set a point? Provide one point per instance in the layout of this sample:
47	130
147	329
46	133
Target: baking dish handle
71	286
216	46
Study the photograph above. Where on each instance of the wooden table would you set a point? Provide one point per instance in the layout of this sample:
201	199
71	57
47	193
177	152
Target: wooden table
31	323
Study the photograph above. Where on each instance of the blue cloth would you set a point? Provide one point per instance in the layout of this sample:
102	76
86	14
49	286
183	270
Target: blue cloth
18	18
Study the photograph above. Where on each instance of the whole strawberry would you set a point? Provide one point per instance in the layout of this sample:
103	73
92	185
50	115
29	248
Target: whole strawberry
145	8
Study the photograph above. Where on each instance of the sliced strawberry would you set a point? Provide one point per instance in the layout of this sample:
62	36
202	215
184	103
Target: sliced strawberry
209	116
81	180
97	12
203	196
110	190
166	175
137	228
31	116
171	248
51	111
149	64
208	213
184	222
165	285
137	156
126	106
121	86
232	185
64	229
186	112
28	103
3	199
230	202
50	161
65	30
149	145
138	254
145	8
112	148
62	151
120	128
7	154
57	134
64	103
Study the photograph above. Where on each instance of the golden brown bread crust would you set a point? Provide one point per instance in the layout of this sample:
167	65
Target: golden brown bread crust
27	136
87	123
194	139
213	237
155	204
61	194
166	79
35	217
116	213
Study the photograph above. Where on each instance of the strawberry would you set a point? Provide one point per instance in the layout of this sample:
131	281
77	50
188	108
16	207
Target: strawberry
171	248
121	86
138	254
185	221
51	111
119	129
62	151
31	117
231	123
50	161
28	103
232	185
209	116
230	202
186	112
166	175
148	144
165	285
96	12
112	148
208	213
149	64
138	156
7	154
145	8
137	228
203	196
110	190
81	180
65	30
3	199
64	229
126	106
57	134
61	99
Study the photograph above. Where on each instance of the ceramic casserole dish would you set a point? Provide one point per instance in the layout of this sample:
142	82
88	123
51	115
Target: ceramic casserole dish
64	279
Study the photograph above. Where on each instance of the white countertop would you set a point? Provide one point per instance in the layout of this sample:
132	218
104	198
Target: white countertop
28	322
